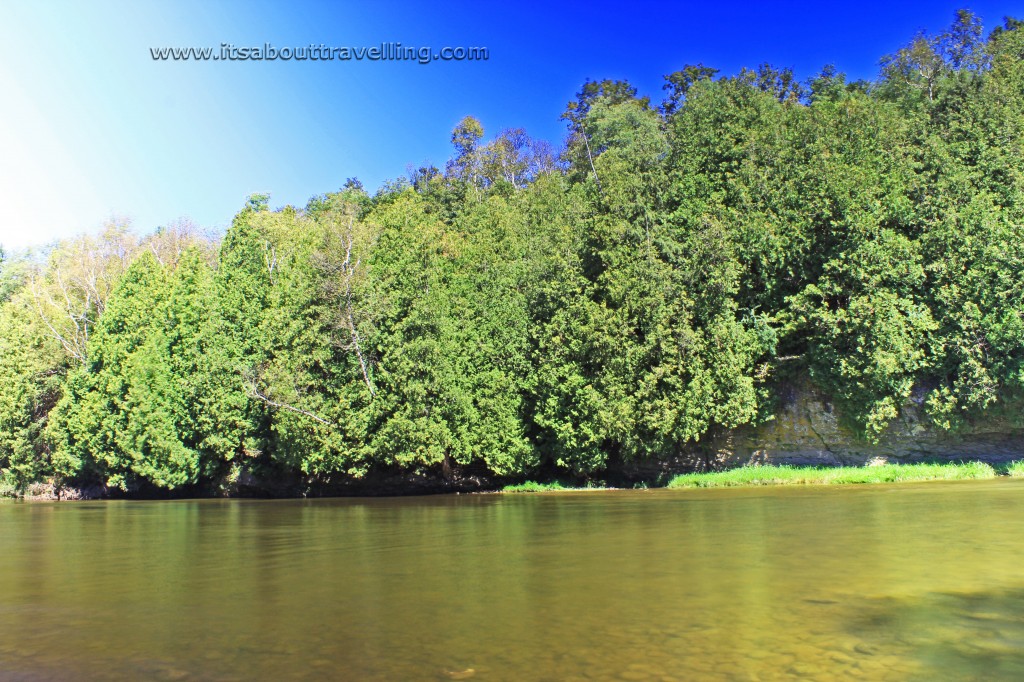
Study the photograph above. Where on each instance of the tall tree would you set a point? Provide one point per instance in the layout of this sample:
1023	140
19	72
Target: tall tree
678	83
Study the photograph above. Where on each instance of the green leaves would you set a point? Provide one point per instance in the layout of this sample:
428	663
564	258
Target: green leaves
128	415
451	342
518	313
31	368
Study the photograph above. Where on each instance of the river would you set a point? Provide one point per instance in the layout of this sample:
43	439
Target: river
918	581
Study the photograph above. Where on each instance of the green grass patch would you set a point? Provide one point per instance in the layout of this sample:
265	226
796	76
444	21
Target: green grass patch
771	474
1014	469
533	487
791	475
554	486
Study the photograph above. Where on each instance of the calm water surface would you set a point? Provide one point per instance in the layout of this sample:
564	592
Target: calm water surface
922	581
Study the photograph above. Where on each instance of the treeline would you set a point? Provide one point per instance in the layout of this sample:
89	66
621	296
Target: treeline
523	310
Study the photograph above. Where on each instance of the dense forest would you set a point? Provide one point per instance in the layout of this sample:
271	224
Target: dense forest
527	310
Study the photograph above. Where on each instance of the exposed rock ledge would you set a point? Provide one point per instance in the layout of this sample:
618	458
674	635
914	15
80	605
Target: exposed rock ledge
808	430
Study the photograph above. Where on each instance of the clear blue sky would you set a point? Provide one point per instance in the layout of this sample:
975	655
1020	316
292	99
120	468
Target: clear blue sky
91	127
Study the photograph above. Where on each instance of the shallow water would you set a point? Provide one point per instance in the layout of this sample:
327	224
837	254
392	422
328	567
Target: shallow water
921	581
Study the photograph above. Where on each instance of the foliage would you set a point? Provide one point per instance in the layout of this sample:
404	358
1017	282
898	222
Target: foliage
31	366
524	311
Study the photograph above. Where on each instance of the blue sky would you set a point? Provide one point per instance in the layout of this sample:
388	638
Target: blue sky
92	128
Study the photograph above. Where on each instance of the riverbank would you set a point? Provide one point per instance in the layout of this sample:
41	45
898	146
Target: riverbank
744	476
768	474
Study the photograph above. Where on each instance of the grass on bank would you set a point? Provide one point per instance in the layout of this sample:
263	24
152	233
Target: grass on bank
1014	469
770	474
790	475
535	487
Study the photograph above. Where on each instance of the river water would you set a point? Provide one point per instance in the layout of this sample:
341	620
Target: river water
920	581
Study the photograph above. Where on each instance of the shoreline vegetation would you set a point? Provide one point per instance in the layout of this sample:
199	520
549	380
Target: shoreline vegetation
777	475
659	280
747	476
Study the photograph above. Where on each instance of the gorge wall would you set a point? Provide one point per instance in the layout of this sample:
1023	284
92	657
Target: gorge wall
807	429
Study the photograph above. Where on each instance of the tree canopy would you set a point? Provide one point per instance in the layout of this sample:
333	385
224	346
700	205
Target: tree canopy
529	309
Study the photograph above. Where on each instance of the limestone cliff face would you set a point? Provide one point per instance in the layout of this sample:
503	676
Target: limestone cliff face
807	430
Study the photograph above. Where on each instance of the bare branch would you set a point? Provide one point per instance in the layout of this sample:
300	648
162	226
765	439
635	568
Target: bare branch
254	392
348	274
590	156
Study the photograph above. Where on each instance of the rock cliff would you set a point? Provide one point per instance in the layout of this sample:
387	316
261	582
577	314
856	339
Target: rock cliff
807	429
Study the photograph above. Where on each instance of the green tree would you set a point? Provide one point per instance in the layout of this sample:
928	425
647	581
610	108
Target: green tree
31	373
678	83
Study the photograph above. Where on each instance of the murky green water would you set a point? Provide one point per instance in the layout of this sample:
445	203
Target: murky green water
923	581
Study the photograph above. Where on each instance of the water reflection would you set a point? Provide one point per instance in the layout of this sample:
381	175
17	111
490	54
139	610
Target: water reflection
918	581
